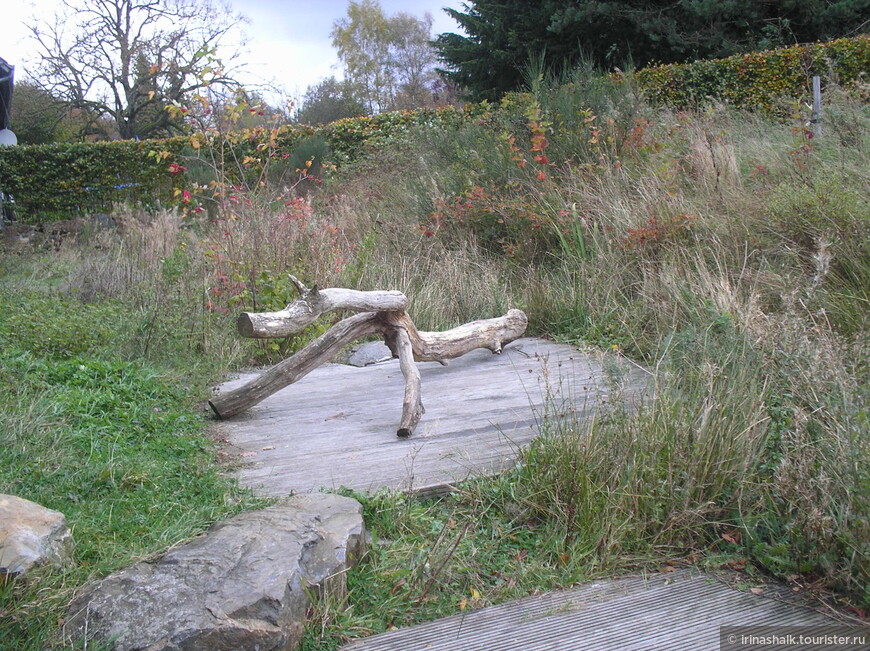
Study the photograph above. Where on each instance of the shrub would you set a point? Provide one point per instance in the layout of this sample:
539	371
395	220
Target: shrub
61	181
759	80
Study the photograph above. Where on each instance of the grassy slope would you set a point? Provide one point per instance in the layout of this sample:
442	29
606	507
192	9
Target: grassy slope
113	440
727	253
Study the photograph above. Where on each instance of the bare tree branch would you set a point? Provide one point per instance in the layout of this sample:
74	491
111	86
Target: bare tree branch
127	59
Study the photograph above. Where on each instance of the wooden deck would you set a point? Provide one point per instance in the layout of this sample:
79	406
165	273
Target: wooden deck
337	426
685	609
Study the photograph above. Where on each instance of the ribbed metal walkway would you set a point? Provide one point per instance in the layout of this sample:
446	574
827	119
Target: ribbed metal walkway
672	611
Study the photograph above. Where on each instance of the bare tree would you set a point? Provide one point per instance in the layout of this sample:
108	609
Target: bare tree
130	60
389	61
413	58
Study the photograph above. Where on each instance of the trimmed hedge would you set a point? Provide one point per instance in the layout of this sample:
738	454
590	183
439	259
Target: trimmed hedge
759	80
350	137
65	180
68	179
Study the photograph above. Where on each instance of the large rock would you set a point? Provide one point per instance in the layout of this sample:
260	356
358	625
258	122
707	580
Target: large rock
31	535
245	584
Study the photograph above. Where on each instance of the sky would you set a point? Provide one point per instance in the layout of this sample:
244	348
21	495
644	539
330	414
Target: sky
288	40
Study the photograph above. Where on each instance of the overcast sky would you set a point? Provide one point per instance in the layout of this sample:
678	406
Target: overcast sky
288	40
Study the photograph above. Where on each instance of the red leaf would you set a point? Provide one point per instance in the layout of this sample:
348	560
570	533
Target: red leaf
732	536
397	586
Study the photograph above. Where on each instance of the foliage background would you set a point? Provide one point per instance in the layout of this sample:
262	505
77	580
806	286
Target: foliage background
62	179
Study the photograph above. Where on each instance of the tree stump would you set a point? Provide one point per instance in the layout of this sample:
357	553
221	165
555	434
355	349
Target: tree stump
378	312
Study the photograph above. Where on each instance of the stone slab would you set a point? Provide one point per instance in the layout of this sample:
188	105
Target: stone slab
31	535
246	584
372	352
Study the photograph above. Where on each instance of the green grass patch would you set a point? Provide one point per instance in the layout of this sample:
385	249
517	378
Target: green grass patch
119	447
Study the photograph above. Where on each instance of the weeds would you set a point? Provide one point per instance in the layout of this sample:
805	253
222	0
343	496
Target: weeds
751	452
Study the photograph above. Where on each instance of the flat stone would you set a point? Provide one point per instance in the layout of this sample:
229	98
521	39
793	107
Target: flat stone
31	535
244	584
369	353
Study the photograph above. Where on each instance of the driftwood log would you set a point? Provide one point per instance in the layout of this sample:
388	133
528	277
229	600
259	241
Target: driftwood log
379	312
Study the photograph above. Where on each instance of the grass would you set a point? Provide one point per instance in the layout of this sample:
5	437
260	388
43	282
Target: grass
117	445
726	253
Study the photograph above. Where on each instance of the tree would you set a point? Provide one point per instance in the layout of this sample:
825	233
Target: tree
328	101
36	115
501	36
504	36
388	60
129	59
413	60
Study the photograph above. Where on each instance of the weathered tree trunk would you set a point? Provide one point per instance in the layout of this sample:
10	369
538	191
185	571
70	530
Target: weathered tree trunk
292	369
311	304
382	312
440	346
412	405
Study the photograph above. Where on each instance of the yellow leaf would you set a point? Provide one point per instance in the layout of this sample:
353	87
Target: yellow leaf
475	594
151	94
463	603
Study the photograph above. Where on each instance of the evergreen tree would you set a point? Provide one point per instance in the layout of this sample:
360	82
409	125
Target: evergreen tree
504	36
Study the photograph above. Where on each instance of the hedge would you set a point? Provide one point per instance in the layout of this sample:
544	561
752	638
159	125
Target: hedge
64	180
67	179
759	80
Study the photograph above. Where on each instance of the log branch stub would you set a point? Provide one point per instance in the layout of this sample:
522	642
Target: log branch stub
312	304
412	405
302	289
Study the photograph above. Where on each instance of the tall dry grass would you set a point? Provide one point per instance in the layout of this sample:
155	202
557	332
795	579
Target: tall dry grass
726	252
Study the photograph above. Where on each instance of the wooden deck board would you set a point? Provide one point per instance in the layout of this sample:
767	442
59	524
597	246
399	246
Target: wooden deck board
678	610
336	427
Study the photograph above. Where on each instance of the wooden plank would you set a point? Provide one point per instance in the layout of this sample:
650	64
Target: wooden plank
677	610
336	427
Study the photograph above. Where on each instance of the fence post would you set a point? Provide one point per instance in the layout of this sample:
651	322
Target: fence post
817	107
